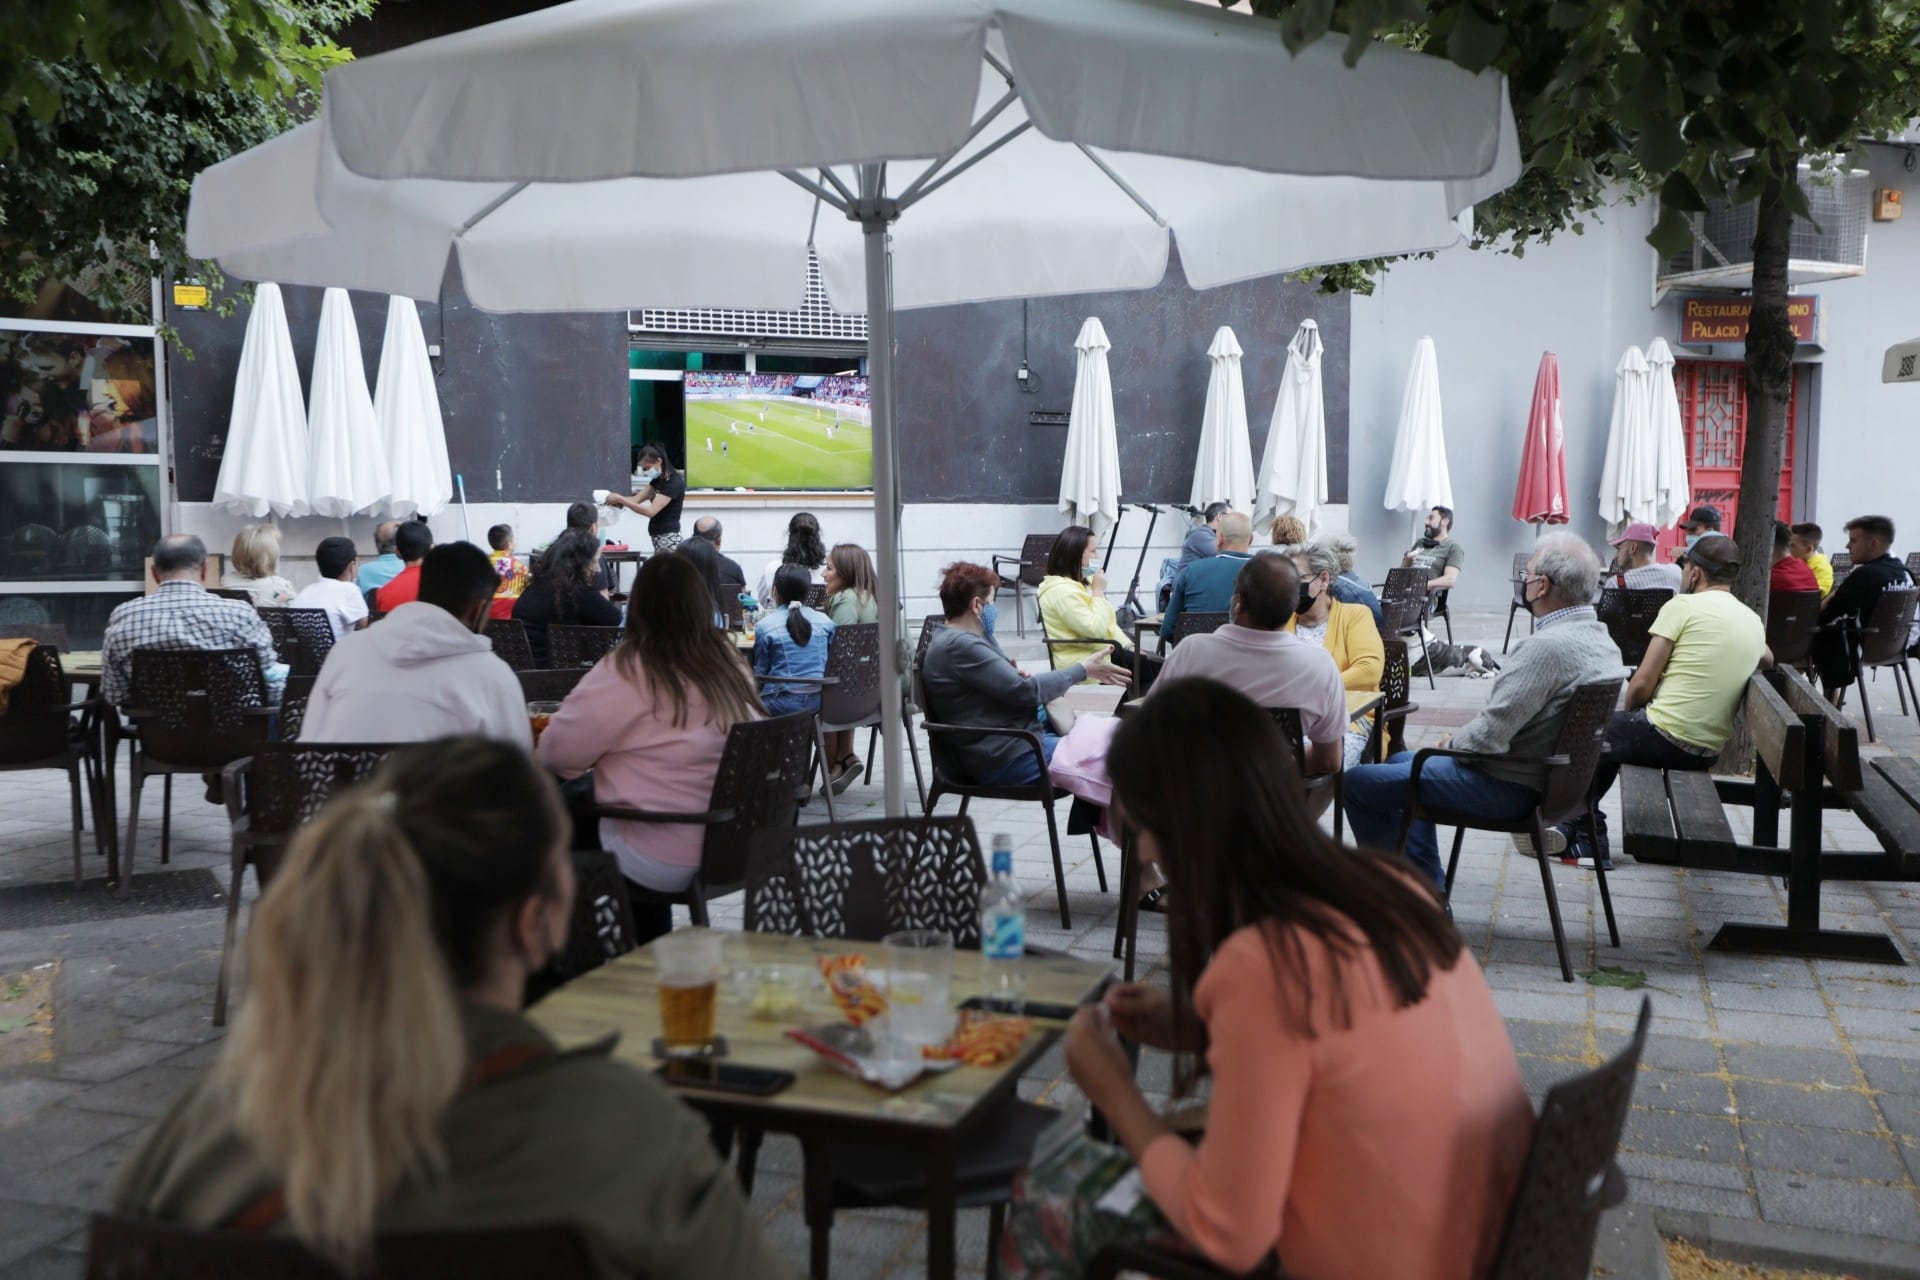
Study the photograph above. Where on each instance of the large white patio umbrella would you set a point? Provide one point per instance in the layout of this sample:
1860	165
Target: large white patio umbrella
1629	477
1673	488
1090	473
347	471
263	461
1223	471
1418	479
1069	142
406	404
1293	471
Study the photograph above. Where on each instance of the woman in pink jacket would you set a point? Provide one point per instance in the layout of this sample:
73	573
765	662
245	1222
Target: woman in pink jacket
650	721
1366	1117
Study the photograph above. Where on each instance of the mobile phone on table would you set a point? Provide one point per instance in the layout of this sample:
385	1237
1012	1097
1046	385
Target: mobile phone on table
726	1077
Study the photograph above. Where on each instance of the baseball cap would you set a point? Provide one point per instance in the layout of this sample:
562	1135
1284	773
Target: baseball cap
1716	554
1709	516
1641	532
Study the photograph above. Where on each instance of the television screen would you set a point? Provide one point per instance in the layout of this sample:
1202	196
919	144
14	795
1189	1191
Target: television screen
778	431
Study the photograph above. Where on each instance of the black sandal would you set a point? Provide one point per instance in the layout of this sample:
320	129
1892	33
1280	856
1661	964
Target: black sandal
1151	900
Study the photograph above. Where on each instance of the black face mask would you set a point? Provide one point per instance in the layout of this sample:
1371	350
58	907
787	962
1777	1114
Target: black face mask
1306	600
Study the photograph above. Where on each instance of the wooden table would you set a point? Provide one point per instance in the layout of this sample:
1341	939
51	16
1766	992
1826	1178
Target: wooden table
933	1115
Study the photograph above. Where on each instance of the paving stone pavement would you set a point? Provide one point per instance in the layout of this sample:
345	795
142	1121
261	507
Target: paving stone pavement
1781	1092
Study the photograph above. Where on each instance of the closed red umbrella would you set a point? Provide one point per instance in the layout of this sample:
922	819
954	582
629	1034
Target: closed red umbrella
1541	496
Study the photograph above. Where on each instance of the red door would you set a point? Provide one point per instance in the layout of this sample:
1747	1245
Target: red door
1713	410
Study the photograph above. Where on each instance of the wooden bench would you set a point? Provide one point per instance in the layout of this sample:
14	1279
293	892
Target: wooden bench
1806	759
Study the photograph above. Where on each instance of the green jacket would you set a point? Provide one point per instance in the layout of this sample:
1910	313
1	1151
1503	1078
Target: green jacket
575	1138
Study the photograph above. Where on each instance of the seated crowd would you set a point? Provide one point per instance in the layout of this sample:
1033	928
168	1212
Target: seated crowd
1351	1043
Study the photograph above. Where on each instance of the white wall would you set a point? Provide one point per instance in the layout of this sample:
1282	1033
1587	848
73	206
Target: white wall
1490	316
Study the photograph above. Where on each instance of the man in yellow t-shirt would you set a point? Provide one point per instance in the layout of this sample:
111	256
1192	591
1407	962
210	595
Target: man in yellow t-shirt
1806	546
1680	704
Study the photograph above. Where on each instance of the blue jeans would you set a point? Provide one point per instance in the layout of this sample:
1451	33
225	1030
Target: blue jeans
1021	770
1377	794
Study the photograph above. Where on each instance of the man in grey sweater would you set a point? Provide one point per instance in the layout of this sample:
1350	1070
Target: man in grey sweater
969	681
1570	647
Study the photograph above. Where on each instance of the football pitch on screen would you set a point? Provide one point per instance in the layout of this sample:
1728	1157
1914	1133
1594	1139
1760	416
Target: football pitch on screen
790	447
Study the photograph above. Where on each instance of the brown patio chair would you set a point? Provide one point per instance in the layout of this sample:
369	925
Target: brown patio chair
301	637
575	646
1793	619
1028	568
1628	613
1570	1178
271	794
1566	795
510	644
1519	602
42	729
189	711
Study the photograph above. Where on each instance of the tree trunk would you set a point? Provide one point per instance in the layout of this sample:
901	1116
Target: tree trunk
1770	348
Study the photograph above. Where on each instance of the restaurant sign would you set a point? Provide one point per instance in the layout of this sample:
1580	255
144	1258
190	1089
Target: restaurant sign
1713	318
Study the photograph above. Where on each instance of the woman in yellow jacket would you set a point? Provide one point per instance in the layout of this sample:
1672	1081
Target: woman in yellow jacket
1073	603
1345	631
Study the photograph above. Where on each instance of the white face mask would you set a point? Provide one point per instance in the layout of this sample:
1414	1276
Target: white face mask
650	474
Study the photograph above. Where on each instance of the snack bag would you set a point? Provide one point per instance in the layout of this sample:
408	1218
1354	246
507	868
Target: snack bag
852	991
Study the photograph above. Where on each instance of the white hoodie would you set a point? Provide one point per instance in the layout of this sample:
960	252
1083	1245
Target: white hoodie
415	675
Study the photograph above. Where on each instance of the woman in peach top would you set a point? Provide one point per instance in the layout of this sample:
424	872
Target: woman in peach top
1367	1116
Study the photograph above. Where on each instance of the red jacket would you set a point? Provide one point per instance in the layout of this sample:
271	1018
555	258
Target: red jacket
1792	574
403	589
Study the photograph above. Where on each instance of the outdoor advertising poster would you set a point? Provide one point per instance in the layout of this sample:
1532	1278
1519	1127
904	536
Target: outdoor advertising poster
76	393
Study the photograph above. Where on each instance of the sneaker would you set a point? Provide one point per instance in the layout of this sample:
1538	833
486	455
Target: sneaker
1556	843
1480	662
1588	863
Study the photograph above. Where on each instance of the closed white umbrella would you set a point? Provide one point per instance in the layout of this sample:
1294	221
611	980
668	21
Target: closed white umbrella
1293	471
1224	470
1418	478
1090	473
263	461
1068	141
348	468
406	404
1630	475
1673	488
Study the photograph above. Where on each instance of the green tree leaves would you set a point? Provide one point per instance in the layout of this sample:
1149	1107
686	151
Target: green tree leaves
109	107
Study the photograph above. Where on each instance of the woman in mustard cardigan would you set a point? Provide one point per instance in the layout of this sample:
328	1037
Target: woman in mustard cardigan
1073	603
1345	631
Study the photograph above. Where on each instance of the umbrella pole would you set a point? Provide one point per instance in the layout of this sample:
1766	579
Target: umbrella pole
875	213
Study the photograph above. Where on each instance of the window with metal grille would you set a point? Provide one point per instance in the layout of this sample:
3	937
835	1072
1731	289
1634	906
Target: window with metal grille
815	318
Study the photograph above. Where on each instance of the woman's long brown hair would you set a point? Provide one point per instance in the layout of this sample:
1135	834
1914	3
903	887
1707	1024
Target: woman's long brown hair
1208	775
671	644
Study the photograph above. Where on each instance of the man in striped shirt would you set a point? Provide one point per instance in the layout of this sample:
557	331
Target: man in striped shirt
181	614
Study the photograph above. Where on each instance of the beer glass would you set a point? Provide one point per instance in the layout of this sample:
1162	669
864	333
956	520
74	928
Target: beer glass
688	961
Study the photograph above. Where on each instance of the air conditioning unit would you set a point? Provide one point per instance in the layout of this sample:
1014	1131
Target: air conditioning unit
1831	247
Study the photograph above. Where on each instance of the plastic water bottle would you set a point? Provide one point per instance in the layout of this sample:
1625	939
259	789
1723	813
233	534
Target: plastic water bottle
1003	934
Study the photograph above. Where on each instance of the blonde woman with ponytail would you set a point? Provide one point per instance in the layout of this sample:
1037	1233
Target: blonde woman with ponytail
380	1076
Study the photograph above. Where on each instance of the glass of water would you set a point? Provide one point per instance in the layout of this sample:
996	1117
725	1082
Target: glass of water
918	967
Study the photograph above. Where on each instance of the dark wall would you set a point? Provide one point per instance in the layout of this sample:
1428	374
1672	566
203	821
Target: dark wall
964	428
539	399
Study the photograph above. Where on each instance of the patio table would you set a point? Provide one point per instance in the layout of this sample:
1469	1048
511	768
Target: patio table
933	1115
